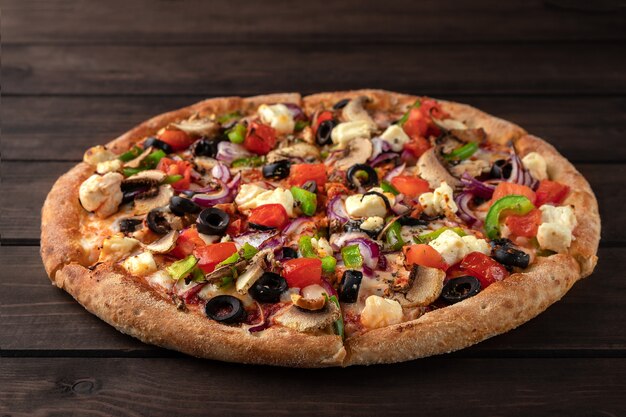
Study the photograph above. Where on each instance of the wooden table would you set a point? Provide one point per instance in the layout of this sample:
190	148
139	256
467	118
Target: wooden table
78	73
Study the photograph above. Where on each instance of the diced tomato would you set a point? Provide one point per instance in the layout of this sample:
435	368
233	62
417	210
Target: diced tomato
211	255
177	139
417	146
301	272
187	241
420	122
525	225
507	188
301	173
260	138
322	117
425	255
551	192
171	167
235	227
484	268
270	215
410	186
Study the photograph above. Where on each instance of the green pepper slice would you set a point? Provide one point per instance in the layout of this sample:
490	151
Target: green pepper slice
463	152
230	260
237	134
171	179
339	326
306	247
329	263
393	236
427	237
300	125
515	204
131	154
388	188
228	117
351	256
248	251
153	159
307	200
253	161
180	269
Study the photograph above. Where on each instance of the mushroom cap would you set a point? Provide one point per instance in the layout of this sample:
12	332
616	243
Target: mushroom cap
426	287
432	170
161	199
198	127
299	150
355	111
164	244
358	152
308	321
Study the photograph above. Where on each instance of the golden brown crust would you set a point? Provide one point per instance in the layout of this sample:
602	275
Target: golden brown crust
135	309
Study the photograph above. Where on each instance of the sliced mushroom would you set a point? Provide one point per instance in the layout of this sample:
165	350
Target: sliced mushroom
426	286
355	111
312	298
299	150
142	185
204	163
308	321
135	163
358	152
226	271
152	175
473	167
258	265
432	170
470	135
198	127
143	205
449	124
165	244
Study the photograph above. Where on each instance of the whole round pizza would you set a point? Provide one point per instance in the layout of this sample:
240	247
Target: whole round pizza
340	228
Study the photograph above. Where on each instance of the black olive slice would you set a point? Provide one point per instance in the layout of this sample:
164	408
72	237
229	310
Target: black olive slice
181	206
260	226
157	144
349	286
458	289
277	170
268	288
189	193
341	104
381	195
212	221
129	225
310	186
324	130
355	176
411	221
509	256
289	253
501	169
205	147
225	309
157	222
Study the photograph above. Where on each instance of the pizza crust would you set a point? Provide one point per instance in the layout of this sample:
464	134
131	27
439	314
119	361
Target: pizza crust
133	308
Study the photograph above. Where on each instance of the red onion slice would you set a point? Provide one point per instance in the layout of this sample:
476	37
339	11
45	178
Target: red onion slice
337	209
370	251
255	239
383	157
394	172
209	200
463	200
228	152
296	111
379	146
221	172
478	188
295	225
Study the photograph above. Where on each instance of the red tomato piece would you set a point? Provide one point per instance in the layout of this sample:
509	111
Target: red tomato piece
260	138
187	241
484	268
420	121
301	173
525	225
551	192
177	139
417	146
270	215
425	255
410	186
322	117
508	188
301	272
211	255
171	167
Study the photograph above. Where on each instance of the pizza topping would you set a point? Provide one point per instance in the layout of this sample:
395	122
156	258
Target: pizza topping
269	216
155	143
369	204
380	312
157	221
308	321
225	309
440	201
182	268
536	165
361	175
197	127
555	231
181	206
161	199
277	170
461	288
511	204
101	194
453	247
260	138
305	200
344	133
142	264
424	287
505	253
550	192
114	165
98	154
359	150
164	244
212	221
177	139
432	170
323	136
268	288
312	297
211	255
302	272
396	137
117	247
354	111
128	225
277	116
350	284
249	277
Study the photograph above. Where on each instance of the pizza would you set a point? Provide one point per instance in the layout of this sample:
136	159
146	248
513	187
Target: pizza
335	229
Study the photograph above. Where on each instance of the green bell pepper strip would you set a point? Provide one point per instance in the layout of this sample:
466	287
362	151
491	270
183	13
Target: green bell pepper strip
153	159
388	188
180	269
228	117
307	200
300	125
393	236
131	171
237	134
131	154
248	251
306	247
329	263
463	152
427	237
198	275
253	161
404	118
226	281
171	179
351	256
339	326
230	260
514	204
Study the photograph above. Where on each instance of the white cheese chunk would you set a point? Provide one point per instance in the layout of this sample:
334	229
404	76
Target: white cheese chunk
252	196
380	312
142	264
161	279
109	166
440	201
247	194
101	194
116	247
278	116
555	231
536	165
372	224
359	205
322	247
396	137
453	247
343	133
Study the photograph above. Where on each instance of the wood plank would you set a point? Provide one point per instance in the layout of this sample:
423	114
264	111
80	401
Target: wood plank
493	69
25	186
132	387
38	318
398	20
62	128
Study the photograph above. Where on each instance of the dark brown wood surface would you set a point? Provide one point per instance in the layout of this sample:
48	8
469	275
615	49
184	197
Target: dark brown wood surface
78	73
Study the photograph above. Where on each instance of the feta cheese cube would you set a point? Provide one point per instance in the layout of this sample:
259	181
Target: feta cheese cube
396	137
555	231
380	312
440	201
142	264
101	194
451	247
247	194
109	166
277	116
536	165
359	205
372	224
116	247
343	133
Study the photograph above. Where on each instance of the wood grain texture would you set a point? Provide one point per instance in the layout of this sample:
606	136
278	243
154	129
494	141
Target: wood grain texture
247	69
38	317
403	21
25	186
62	128
134	387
